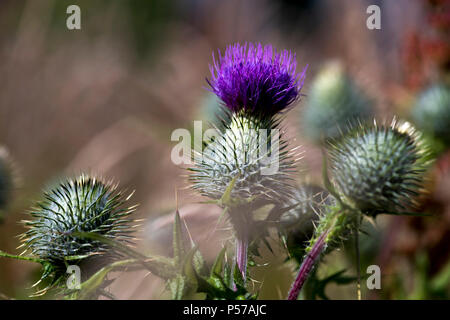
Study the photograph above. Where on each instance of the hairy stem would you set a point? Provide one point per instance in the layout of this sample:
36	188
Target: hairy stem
307	265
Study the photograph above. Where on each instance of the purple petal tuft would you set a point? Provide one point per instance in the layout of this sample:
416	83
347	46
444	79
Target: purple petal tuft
258	80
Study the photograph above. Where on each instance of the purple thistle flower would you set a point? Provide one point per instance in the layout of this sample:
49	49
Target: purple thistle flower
257	80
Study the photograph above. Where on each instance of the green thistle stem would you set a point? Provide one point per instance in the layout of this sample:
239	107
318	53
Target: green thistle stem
338	220
12	256
331	225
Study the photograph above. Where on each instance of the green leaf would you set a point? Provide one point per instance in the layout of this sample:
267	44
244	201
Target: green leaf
441	281
320	285
218	263
199	263
188	268
177	286
160	266
74	258
90	286
226	197
178	245
238	280
326	180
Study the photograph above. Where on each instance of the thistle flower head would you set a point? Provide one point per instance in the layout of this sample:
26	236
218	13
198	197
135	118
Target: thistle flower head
256	159
431	112
256	79
380	169
334	104
85	204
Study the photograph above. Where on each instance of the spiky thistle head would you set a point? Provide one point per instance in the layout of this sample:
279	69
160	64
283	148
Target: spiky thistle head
431	112
334	104
256	159
84	204
380	169
256	79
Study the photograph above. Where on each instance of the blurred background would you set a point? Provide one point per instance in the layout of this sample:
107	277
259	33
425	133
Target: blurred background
105	100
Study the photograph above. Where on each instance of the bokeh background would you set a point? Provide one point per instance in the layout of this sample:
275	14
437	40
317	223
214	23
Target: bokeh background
105	100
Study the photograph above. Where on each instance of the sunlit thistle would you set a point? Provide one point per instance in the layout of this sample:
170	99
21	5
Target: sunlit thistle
249	156
380	169
84	204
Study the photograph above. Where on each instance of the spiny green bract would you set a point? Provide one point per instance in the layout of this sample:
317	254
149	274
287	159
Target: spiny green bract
297	224
309	202
334	103
259	163
431	112
380	169
85	204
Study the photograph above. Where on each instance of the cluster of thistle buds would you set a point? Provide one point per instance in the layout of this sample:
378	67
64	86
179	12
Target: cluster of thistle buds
375	168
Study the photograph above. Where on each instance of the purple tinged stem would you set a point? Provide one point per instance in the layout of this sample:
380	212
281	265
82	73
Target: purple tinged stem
241	254
307	265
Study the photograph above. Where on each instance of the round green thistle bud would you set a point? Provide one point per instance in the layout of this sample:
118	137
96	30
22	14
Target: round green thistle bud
379	169
85	204
334	103
250	152
431	112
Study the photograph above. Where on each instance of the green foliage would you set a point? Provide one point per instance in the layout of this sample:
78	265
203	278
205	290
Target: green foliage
315	288
224	282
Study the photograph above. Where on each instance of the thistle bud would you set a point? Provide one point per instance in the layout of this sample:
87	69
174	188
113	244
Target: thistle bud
85	204
431	112
380	169
245	152
334	104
